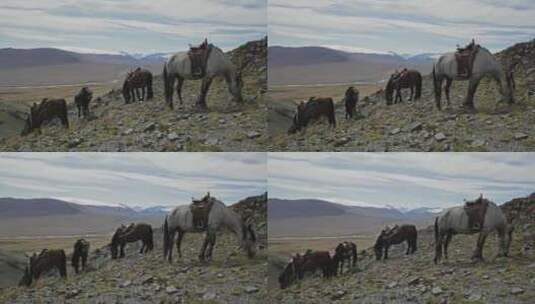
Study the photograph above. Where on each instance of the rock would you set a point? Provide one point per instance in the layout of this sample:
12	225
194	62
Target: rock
220	275
517	291
208	296
253	134
147	280
415	126
72	293
74	142
222	121
171	290
392	285
338	295
342	141
250	289
520	136
436	290
125	284
474	297
478	143
211	141
128	131
149	127
395	131
440	136
172	136
413	281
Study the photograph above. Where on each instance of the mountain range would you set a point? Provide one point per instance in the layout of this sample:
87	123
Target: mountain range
322	65
307	218
51	66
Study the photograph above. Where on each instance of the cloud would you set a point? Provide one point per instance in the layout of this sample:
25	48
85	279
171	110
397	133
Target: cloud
413	26
134	178
401	179
131	25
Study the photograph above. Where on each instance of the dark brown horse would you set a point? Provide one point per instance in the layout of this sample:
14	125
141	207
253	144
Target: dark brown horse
394	236
81	251
44	262
350	100
81	100
346	251
407	79
133	233
313	260
138	79
313	109
47	110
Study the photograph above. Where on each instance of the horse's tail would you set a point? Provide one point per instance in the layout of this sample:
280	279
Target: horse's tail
354	249
165	236
414	245
332	114
150	93
418	86
434	78
436	230
151	240
166	82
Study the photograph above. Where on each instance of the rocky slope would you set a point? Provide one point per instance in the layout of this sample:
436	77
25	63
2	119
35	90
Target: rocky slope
415	279
230	278
419	126
151	126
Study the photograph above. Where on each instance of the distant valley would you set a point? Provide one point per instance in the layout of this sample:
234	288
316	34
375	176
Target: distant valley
320	65
308	218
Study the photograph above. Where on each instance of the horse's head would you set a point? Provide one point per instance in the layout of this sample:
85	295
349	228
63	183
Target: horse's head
378	247
249	240
126	89
115	241
389	90
27	126
297	122
26	279
288	274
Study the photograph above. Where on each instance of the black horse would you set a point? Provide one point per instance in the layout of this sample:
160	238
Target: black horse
350	100
407	79
81	251
81	100
47	260
133	233
346	251
138	79
394	236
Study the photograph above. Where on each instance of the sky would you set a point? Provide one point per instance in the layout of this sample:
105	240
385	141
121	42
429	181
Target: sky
135	26
401	180
132	179
404	27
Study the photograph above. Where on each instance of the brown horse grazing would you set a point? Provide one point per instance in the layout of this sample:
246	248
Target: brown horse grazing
133	233
313	109
81	251
345	251
138	79
313	260
45	261
350	100
81	100
394	236
46	111
407	79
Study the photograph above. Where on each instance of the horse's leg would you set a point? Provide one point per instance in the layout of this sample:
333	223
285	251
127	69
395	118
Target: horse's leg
502	242
412	93
472	87
170	249
478	253
122	250
386	251
179	242
142	246
447	89
446	244
408	247
180	82
438	249
206	82
142	94
203	248
212	243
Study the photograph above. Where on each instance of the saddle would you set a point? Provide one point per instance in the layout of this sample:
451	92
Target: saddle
198	56
465	59
476	211
200	209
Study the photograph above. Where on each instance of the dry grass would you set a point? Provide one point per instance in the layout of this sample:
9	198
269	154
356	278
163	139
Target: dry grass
297	93
287	247
27	245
